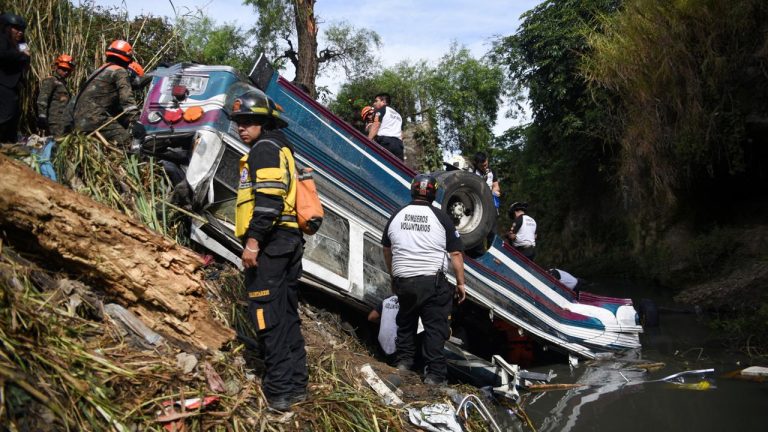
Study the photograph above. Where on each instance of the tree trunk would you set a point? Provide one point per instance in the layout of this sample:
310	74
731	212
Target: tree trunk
306	30
158	280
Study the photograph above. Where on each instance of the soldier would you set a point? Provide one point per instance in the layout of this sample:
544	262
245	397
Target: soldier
52	113
106	101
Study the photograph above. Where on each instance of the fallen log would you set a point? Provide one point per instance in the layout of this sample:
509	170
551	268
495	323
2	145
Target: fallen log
158	280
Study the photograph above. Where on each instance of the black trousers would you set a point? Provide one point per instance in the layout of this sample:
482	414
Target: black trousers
394	145
527	251
428	297
273	310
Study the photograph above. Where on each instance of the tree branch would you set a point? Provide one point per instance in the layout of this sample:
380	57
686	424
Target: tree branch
291	53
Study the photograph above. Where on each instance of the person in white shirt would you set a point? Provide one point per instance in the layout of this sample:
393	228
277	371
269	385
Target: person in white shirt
387	126
419	243
522	235
565	278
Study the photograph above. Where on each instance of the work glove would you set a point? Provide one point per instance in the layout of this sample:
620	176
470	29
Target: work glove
42	123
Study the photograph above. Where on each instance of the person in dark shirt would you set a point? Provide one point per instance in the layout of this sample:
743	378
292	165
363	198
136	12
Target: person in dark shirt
266	222
14	61
53	99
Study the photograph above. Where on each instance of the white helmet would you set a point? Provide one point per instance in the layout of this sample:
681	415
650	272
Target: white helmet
460	162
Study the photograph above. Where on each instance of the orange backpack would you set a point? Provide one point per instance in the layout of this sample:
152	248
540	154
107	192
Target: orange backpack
309	209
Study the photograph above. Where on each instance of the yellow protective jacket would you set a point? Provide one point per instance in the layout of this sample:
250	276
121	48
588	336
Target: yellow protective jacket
269	202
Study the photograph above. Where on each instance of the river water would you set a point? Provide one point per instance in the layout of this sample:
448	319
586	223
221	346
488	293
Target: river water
619	397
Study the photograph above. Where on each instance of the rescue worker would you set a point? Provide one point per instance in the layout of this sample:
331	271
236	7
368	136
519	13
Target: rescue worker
106	102
417	240
52	112
387	126
266	223
14	61
483	169
522	234
565	278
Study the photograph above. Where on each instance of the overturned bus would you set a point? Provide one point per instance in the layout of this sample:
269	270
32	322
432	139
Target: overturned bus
361	184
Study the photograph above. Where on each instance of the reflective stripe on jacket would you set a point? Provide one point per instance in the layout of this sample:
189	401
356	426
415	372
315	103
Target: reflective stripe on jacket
270	201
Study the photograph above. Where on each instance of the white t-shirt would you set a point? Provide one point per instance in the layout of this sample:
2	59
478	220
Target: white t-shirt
487	176
420	237
391	123
526	231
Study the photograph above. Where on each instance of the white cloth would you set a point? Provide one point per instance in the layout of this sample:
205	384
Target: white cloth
388	325
567	279
437	417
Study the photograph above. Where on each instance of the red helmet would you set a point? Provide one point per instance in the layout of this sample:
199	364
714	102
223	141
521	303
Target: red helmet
136	68
121	50
65	61
366	113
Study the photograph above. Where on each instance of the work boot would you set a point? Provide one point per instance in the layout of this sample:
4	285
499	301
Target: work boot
433	380
279	404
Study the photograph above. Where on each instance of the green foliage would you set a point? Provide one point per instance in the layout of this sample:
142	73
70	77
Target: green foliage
274	27
208	43
351	49
465	93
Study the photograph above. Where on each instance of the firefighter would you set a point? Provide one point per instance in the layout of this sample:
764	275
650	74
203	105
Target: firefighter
106	102
265	221
418	241
52	112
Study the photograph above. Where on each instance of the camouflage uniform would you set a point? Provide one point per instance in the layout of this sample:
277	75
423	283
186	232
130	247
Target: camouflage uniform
52	104
107	93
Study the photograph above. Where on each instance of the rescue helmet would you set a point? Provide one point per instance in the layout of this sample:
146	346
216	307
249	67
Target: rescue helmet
518	205
366	112
120	49
65	61
136	69
255	104
424	187
9	19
